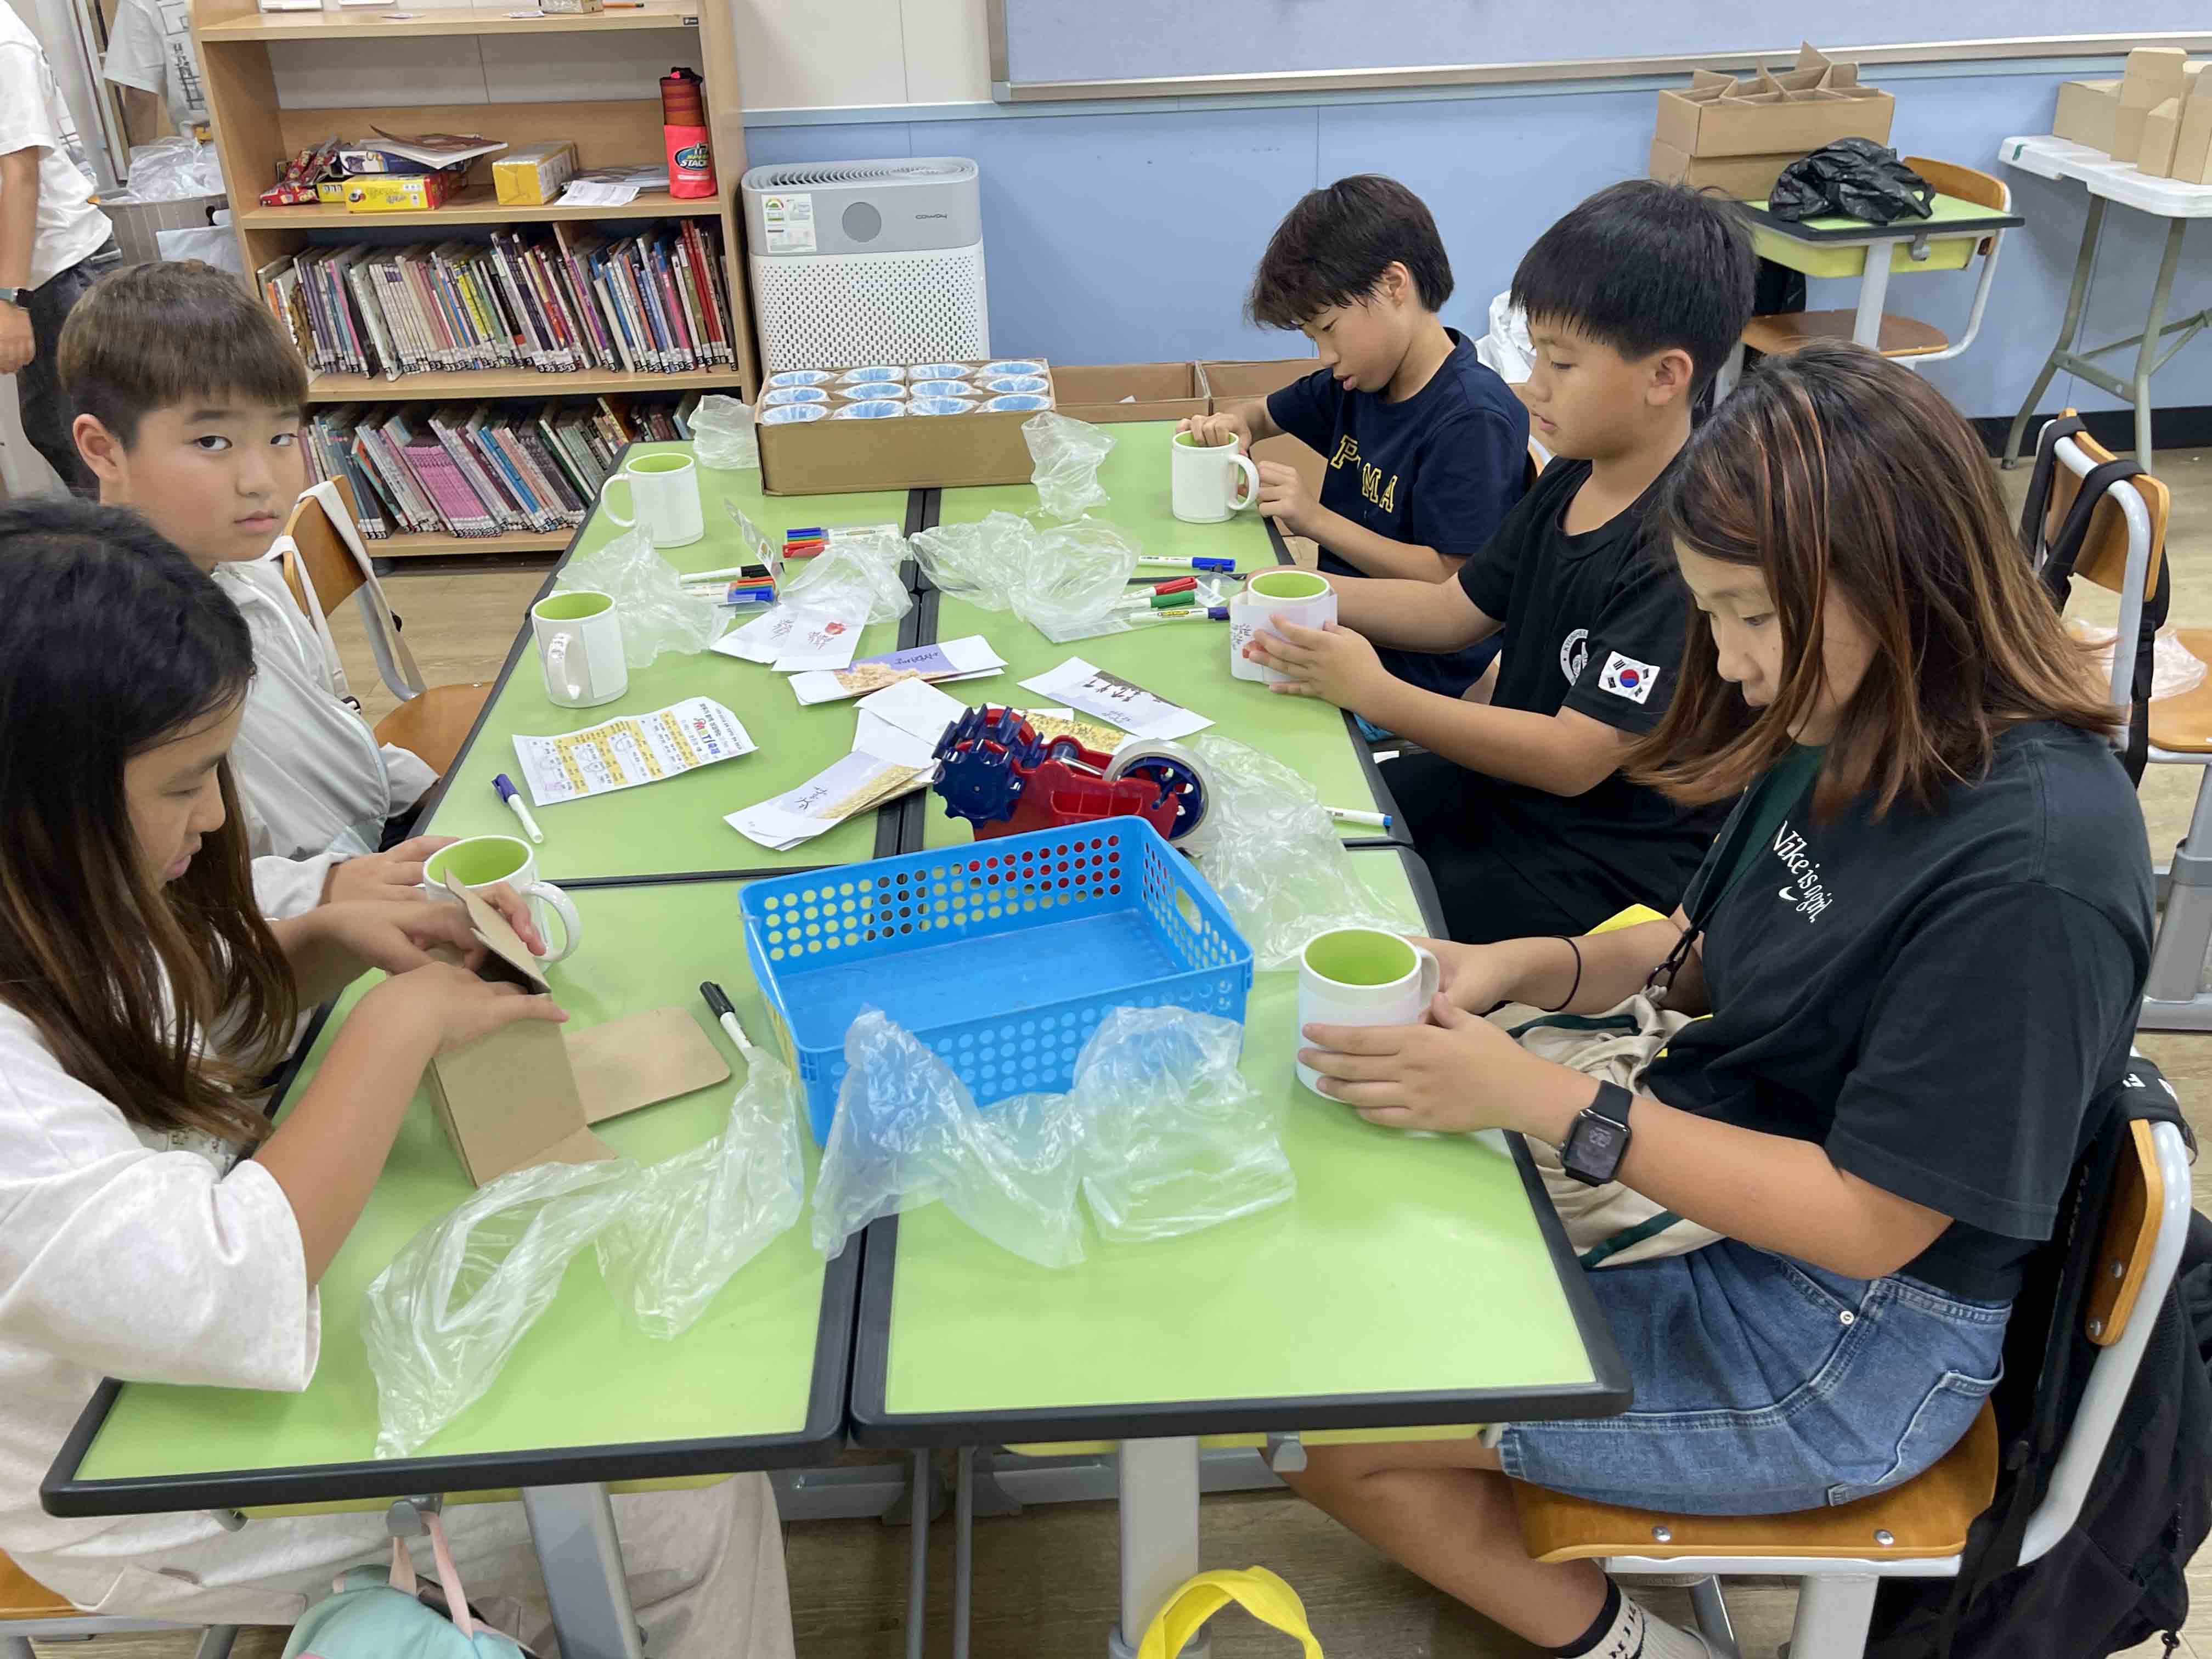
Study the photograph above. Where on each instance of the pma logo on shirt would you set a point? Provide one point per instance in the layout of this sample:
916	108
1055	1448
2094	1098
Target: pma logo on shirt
1805	889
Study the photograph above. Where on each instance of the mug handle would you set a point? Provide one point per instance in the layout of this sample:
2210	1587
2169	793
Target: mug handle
614	478
1432	975
1244	462
556	665
572	925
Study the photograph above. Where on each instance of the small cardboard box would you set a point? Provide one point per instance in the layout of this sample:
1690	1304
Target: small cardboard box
2088	113
1747	177
1228	383
529	1093
404	193
2178	137
1106	393
531	176
833	457
1816	103
2154	74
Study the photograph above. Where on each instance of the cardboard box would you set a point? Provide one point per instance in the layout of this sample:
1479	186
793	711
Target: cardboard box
529	1093
2161	131
832	457
1745	178
1816	103
2154	74
1228	383
2178	137
1106	393
404	193
2088	113
531	176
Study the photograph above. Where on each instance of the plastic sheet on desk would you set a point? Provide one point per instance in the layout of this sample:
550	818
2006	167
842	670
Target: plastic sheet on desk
697	1218
1065	581
442	1319
723	434
657	612
858	574
981	563
1276	860
1067	452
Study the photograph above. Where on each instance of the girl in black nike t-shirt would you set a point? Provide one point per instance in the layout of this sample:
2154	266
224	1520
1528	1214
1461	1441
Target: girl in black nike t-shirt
1921	939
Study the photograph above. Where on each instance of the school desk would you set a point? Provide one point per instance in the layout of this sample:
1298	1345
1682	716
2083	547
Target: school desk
2110	181
1413	1282
675	826
584	1400
1834	246
1187	663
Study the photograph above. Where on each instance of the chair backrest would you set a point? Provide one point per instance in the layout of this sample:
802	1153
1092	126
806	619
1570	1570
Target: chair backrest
1968	184
331	571
2124	548
2145	1229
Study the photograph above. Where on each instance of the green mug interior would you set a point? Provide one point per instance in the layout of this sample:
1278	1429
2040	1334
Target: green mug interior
1289	585
479	861
572	606
658	463
1360	956
1189	441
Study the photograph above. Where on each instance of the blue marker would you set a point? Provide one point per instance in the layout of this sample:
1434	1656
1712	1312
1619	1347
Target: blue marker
503	785
1164	560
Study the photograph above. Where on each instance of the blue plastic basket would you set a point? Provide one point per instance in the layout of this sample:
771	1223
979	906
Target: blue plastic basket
1002	956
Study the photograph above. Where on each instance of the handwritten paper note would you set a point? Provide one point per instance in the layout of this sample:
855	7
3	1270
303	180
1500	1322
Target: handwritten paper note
854	783
1118	702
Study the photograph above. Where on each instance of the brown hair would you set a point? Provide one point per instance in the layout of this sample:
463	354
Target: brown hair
175	331
1838	472
110	644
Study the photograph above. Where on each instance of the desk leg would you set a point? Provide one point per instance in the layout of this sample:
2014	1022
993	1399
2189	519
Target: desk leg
2069	330
1873	292
2147	357
573	1527
1160	1531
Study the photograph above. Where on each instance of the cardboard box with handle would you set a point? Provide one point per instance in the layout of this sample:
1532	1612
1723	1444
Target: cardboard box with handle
1736	133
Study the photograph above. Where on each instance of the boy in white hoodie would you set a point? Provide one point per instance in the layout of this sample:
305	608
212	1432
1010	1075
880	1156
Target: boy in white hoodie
188	395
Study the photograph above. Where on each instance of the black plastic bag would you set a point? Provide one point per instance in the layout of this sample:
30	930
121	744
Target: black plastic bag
1855	177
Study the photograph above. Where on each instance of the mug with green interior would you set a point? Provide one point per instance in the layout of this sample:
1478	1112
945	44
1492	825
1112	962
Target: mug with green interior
1363	957
1288	585
658	463
572	604
1189	441
477	861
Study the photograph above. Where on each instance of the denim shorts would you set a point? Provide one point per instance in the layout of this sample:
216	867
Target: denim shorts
1764	1385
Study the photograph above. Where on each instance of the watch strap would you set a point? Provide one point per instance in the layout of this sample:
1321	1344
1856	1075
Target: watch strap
18	297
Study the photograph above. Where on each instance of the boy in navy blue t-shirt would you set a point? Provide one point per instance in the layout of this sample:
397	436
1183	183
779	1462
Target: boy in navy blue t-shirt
1427	449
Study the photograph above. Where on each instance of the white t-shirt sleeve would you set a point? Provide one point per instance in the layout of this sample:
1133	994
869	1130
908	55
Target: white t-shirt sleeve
24	121
291	887
137	51
146	1265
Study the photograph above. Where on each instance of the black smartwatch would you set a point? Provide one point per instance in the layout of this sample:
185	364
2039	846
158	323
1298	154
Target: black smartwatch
1599	1140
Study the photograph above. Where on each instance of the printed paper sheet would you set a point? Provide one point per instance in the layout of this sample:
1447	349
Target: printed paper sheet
625	752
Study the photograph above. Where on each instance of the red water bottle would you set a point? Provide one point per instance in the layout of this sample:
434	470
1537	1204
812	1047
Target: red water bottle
684	127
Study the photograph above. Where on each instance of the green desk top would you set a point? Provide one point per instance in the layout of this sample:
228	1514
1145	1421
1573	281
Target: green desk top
1410	1282
675	827
759	1380
1187	663
1835	245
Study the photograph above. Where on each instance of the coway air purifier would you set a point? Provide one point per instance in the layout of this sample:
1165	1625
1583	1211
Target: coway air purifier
867	262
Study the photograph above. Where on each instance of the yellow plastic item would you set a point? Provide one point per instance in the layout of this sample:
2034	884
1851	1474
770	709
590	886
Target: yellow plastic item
1258	1591
1634	916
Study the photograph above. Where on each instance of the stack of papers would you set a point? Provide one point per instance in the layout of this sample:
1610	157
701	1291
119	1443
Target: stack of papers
966	658
1118	702
894	752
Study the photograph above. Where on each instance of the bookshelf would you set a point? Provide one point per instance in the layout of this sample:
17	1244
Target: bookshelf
240	48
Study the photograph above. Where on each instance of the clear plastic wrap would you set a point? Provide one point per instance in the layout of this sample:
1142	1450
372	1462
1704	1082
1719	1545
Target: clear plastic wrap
657	612
908	1134
858	573
2174	668
440	1320
695	1219
723	434
171	170
1081	573
981	563
1067	453
1175	1139
1276	860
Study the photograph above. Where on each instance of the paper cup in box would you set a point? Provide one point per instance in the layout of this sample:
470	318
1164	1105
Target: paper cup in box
797	377
871	371
1299	596
795	394
947	388
873	389
1012	366
937	371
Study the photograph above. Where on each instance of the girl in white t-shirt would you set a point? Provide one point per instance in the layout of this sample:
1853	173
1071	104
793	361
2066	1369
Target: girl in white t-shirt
152	1226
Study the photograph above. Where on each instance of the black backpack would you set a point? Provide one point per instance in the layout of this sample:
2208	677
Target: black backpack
2116	1578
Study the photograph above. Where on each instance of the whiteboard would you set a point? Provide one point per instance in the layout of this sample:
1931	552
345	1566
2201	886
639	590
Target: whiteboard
1094	48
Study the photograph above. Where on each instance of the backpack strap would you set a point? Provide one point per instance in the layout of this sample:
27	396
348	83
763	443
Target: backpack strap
449	1577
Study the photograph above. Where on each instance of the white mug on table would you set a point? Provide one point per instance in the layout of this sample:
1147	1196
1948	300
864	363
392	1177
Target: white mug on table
1302	597
481	861
1361	976
1203	479
579	646
664	494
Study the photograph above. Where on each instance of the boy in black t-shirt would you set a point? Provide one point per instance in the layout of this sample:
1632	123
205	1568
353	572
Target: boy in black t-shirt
1634	300
1427	449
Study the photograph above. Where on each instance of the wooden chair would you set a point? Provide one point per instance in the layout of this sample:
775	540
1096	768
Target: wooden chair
1918	1530
324	565
28	1609
1904	338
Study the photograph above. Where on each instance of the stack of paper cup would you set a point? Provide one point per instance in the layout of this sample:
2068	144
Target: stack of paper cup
1300	597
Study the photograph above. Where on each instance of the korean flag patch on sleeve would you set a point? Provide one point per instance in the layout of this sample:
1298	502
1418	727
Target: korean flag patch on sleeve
1625	677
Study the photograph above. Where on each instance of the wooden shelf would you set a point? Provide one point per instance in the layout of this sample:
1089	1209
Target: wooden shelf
368	22
436	547
505	383
476	205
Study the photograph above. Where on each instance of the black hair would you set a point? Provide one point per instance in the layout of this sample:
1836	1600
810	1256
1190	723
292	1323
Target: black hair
1644	267
1331	248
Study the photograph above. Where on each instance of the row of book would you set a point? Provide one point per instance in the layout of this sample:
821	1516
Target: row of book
656	302
476	470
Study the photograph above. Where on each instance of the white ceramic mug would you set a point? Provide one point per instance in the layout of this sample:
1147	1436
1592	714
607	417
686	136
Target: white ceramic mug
1203	480
579	646
481	861
664	494
1361	976
1302	597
